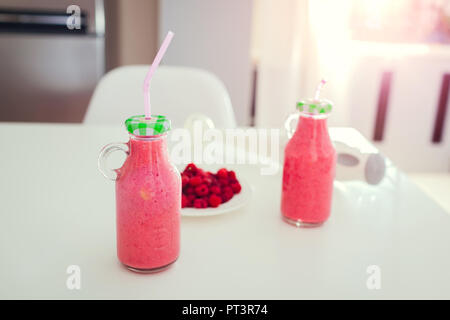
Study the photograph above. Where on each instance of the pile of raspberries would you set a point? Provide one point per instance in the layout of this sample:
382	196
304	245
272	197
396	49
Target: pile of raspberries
202	189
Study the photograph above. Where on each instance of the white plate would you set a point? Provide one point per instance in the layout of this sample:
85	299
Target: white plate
238	201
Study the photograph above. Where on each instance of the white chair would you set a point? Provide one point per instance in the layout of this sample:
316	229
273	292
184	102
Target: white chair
176	92
411	109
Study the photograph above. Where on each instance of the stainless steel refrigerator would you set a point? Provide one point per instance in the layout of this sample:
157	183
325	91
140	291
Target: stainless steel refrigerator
48	71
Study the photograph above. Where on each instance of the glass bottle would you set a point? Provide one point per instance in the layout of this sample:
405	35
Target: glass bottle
148	196
309	166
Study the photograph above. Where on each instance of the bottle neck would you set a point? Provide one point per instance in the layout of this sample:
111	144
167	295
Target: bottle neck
148	149
312	127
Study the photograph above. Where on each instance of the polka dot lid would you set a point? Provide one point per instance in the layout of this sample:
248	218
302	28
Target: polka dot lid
312	106
140	126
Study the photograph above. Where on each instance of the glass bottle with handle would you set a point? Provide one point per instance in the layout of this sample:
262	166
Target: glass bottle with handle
309	166
148	196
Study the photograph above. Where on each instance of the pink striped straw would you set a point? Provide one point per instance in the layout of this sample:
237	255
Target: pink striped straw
151	71
319	88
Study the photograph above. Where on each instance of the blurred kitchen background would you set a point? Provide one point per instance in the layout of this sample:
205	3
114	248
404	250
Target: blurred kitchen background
387	63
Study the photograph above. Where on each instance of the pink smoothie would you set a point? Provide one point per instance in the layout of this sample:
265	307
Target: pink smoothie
148	199
308	173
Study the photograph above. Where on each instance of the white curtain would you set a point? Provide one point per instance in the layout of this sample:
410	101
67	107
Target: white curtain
295	44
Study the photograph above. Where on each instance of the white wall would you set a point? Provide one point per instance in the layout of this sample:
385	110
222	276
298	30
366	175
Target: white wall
212	35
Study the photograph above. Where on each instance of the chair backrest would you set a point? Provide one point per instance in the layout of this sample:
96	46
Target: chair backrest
176	92
398	103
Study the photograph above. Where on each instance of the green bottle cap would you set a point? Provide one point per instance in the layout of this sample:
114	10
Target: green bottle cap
312	106
141	126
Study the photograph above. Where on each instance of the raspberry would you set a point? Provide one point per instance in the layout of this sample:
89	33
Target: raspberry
190	168
202	190
214	181
214	200
184	180
231	175
195	181
236	187
227	194
189	190
215	190
208	180
191	198
222	173
200	173
223	182
184	201
200	203
226	189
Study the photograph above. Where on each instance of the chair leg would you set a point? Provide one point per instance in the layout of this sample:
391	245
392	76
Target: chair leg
441	110
383	100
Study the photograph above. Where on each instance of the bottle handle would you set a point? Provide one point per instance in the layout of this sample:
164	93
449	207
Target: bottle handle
287	124
110	174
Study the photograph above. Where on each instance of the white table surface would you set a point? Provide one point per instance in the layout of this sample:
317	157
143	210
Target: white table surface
58	210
